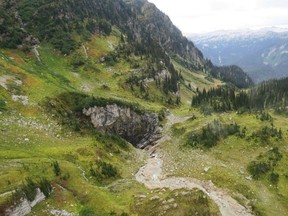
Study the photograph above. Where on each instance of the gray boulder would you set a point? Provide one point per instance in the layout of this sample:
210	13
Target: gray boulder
139	129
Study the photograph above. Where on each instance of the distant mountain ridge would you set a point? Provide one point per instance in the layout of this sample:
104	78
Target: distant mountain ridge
67	24
262	53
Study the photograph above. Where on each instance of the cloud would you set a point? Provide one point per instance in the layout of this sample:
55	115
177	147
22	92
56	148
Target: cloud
273	3
194	16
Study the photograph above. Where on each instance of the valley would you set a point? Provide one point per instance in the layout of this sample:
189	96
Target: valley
107	109
261	53
153	177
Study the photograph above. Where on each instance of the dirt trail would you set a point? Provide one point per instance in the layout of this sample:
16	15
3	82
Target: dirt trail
152	177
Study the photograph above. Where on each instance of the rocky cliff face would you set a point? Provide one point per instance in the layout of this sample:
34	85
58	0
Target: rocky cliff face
152	24
25	206
139	129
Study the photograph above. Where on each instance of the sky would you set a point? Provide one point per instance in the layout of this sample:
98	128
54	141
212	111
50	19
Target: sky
201	16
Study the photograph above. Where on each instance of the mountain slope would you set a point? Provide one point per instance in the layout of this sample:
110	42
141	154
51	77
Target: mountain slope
139	20
262	53
59	57
232	74
148	31
84	82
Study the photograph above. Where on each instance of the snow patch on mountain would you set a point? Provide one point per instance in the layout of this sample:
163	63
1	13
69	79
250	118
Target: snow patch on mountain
262	53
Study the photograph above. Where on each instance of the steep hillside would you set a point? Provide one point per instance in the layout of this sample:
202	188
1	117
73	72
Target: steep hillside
84	85
64	63
270	94
261	53
232	74
267	95
67	24
141	21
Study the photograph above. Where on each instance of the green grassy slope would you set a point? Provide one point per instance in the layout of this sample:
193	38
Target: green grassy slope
227	162
31	139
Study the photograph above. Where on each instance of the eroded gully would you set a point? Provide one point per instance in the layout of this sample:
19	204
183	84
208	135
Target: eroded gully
152	176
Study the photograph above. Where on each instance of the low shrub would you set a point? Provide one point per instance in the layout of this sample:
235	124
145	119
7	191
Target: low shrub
45	187
265	164
3	105
257	169
102	170
264	116
265	133
212	133
56	168
29	189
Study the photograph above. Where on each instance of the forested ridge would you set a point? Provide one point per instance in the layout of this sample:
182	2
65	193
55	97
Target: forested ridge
66	24
60	21
232	74
269	94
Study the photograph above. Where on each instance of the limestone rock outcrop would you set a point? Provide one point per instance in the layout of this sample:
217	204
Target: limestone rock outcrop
24	206
139	129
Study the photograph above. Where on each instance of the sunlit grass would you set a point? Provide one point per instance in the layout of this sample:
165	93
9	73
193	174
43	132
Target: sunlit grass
227	162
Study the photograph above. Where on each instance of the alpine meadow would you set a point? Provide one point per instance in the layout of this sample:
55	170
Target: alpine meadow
107	109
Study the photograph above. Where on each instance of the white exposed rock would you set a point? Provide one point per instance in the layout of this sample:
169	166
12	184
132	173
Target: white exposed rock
184	193
111	46
4	80
249	178
206	169
39	198
22	209
154	198
75	74
175	205
18	82
223	165
23	99
26	140
25	206
86	51
36	53
7	193
142	196
86	87
146	80
138	129
166	207
56	212
163	74
171	200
